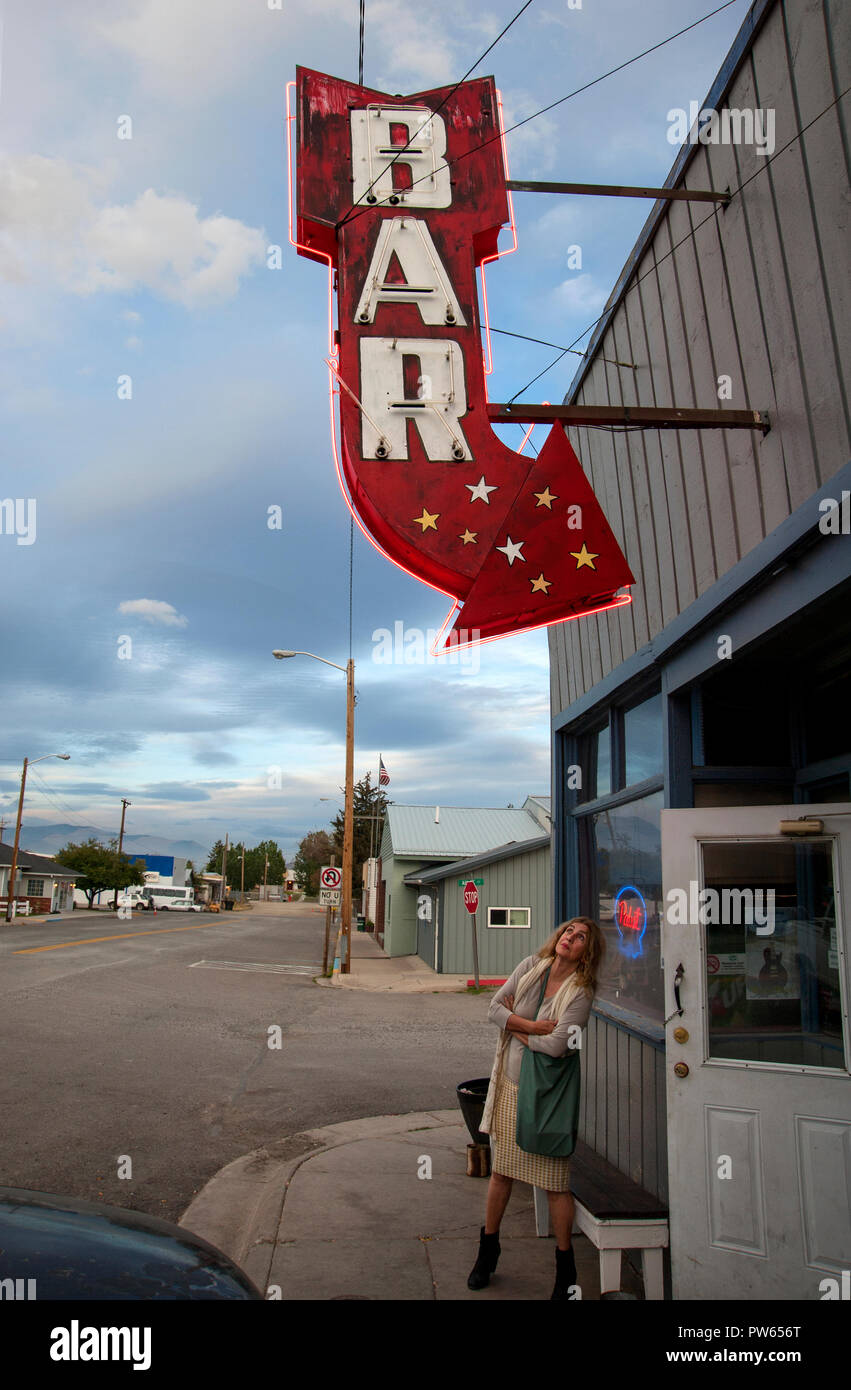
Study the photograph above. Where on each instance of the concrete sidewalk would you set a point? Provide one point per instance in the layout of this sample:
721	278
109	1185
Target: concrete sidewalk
342	1213
372	968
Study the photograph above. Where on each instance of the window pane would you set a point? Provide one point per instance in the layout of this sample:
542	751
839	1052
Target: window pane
497	916
826	713
745	714
773	995
626	861
642	732
604	762
519	917
595	761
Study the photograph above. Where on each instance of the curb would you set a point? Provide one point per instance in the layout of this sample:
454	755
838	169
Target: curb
241	1207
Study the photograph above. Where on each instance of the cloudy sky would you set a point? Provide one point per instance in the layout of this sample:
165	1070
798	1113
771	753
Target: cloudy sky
146	258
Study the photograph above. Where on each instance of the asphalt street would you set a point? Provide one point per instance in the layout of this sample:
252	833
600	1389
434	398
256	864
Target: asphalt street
155	1046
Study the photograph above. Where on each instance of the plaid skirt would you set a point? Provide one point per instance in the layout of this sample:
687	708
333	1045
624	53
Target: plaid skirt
552	1174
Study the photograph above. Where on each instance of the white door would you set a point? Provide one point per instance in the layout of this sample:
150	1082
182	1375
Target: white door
755	932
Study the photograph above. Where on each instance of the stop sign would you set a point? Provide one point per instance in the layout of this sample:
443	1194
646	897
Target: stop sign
471	897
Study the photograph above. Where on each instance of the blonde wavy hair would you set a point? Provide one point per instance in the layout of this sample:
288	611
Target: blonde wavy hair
588	969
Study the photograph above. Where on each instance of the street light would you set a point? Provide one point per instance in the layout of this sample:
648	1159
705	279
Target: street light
348	815
28	762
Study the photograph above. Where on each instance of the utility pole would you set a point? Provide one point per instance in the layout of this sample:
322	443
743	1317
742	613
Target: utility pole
224	870
124	804
242	877
13	869
2	827
265	873
348	819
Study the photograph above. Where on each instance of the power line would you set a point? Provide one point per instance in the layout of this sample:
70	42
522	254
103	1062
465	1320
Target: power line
612	71
432	114
59	805
709	218
507	333
450	163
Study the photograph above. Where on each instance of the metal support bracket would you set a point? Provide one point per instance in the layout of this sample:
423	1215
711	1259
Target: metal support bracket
617	190
633	416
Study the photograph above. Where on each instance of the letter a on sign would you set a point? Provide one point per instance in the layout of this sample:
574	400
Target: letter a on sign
404	197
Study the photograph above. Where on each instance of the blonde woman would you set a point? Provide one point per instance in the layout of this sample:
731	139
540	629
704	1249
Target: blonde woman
541	1010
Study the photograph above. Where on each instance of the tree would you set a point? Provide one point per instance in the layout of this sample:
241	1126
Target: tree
255	863
100	866
214	859
370	807
315	850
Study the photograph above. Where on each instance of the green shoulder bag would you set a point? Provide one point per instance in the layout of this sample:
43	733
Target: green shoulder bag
548	1100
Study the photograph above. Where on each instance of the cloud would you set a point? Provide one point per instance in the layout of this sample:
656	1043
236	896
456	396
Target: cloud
172	791
153	610
533	147
581	294
417	53
157	243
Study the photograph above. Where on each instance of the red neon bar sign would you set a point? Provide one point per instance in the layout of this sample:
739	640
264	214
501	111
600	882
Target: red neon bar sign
405	197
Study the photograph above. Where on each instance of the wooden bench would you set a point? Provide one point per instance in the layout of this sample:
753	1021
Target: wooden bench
616	1215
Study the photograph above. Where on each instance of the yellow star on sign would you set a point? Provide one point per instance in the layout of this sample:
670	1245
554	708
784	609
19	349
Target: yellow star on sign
427	521
469	537
540	585
584	557
546	498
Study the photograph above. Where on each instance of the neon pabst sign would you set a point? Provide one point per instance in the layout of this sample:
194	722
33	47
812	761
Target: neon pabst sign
404	198
630	918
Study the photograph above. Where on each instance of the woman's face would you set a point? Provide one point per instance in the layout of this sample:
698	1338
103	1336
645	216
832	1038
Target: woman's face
572	943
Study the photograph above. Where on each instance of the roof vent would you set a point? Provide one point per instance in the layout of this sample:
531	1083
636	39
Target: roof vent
437	815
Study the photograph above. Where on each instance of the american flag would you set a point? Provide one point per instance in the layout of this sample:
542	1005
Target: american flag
383	774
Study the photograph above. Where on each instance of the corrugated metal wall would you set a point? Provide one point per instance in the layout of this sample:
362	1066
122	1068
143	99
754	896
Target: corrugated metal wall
760	293
523	881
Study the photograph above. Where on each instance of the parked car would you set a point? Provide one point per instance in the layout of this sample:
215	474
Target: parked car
71	1249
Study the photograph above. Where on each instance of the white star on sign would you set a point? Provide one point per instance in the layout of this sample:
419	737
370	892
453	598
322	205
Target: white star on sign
479	491
512	550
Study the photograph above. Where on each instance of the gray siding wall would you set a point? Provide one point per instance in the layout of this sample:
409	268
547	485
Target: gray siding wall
524	881
759	293
623	1103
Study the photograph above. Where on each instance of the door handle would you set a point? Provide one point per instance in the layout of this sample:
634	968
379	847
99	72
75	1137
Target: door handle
678	979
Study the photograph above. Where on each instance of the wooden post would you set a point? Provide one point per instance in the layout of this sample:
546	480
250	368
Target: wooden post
124	804
13	869
348	819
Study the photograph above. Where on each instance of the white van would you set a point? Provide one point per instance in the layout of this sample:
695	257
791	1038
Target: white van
168	899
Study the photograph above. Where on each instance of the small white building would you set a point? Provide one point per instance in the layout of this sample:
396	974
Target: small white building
41	885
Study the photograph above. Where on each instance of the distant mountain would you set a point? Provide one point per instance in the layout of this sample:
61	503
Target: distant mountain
39	838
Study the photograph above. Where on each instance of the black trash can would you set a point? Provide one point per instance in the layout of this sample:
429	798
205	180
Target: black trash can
228	904
471	1098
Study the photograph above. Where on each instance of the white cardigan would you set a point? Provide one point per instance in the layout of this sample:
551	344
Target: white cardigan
525	985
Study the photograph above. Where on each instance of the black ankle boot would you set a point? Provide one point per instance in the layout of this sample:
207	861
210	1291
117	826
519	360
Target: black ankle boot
565	1275
480	1274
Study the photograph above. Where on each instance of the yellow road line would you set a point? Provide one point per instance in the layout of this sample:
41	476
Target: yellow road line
92	940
